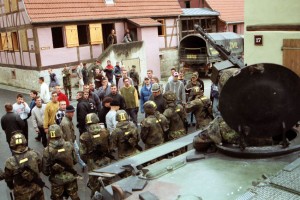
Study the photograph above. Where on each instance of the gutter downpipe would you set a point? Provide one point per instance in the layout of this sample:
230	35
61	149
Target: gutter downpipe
178	40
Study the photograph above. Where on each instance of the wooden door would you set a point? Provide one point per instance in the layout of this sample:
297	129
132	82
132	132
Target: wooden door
291	54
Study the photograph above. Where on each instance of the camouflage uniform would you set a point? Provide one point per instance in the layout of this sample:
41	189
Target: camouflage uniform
58	161
176	116
153	128
67	82
22	170
94	148
125	136
200	106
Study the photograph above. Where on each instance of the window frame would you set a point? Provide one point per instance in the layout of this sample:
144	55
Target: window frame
162	27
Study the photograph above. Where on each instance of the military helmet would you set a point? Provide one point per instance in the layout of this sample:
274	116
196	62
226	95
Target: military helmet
121	116
206	101
196	90
54	131
17	139
170	96
150	107
91	118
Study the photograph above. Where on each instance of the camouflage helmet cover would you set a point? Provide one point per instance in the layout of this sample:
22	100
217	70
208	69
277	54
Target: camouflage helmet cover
17	139
150	107
91	118
196	90
169	96
54	131
121	116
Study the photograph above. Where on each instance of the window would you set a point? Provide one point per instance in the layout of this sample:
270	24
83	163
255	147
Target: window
96	34
4	41
6	6
234	28
83	34
187	4
23	40
9	41
161	29
57	37
15	41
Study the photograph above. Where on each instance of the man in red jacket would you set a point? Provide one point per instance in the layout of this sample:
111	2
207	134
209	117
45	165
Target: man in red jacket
61	96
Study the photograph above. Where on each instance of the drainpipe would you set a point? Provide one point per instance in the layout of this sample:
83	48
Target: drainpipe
178	38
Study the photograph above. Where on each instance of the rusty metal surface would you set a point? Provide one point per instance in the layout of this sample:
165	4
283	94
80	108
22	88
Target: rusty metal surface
261	97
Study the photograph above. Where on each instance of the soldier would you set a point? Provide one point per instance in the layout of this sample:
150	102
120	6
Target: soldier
154	127
94	148
125	137
200	106
58	161
66	74
22	170
176	116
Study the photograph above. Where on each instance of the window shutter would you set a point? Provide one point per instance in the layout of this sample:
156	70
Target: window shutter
23	39
72	36
4	41
96	34
14	5
9	41
6	6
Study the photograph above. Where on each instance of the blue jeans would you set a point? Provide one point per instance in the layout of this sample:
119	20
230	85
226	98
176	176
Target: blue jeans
133	114
76	148
215	108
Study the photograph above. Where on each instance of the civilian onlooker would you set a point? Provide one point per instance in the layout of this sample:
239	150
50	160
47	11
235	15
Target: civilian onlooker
85	74
98	78
38	120
127	36
104	90
22	109
150	73
92	104
181	77
66	74
173	70
157	97
121	81
110	118
11	122
117	72
44	93
60	112
130	96
61	96
50	111
68	130
92	95
135	78
145	93
109	71
116	96
53	79
105	109
33	94
83	108
177	87
112	38
156	80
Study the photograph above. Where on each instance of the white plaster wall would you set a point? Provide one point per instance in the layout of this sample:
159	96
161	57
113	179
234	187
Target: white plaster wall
84	53
262	12
120	30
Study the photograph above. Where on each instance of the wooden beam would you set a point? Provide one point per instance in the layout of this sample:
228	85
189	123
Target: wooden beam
273	27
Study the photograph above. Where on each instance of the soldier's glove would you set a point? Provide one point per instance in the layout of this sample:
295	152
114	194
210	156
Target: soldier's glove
57	168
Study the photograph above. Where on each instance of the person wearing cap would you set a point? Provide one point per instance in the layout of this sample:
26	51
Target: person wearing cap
67	127
177	87
110	118
145	93
157	97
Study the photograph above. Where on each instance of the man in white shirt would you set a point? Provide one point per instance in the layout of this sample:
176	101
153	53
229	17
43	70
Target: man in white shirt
44	93
37	117
110	118
22	109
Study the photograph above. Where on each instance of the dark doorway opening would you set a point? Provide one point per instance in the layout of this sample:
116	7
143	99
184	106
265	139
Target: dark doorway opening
106	30
83	34
57	37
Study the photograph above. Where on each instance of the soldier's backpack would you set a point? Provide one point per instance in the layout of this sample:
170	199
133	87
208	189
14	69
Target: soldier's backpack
99	139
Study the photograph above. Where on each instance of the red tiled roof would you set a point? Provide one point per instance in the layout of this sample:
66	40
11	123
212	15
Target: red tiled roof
142	22
40	11
230	10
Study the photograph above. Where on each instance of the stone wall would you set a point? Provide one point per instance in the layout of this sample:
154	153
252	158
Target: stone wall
169	59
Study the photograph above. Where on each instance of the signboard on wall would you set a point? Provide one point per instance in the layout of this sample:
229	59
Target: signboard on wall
258	40
134	61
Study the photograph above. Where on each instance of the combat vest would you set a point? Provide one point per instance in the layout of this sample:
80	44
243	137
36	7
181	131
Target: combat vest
125	138
154	130
62	162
